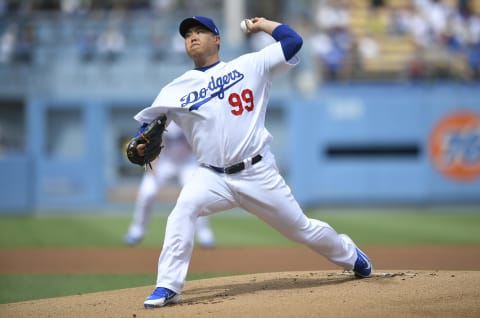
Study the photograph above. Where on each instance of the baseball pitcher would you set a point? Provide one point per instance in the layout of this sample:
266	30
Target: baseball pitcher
221	107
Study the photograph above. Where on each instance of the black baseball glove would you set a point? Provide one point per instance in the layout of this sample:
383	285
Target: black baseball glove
151	136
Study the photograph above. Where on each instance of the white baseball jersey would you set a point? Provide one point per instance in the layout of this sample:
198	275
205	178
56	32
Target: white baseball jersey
237	92
222	112
177	147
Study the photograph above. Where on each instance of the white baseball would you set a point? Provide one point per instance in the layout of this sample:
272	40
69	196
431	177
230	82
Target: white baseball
243	25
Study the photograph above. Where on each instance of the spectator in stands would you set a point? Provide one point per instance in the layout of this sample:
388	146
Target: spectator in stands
473	59
7	44
429	58
87	45
70	7
333	41
354	61
416	66
472	30
368	47
418	27
25	44
111	43
332	14
472	27
3	7
330	54
452	30
162	6
454	39
398	21
159	44
436	14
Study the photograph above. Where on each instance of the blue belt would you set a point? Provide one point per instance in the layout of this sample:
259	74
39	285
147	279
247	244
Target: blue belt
236	167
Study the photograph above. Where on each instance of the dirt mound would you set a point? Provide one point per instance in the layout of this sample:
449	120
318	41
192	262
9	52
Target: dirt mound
284	294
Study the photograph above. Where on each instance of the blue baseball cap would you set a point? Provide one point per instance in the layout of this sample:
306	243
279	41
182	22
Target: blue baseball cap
198	20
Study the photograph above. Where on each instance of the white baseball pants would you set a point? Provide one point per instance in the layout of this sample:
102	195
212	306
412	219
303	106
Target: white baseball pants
260	190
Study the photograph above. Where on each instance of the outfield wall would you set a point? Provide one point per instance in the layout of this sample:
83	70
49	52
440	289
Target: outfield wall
411	143
348	144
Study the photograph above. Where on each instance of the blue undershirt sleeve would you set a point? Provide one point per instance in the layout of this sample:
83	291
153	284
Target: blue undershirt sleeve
290	40
140	130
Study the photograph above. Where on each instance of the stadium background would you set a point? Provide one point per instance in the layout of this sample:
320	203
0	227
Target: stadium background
349	127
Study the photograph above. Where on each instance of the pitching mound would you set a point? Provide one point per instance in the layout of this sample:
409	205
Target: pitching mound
284	294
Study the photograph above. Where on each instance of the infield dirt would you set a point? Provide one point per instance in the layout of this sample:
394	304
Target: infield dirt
284	282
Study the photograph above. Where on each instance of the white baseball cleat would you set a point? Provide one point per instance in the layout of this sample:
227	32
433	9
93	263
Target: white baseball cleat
132	240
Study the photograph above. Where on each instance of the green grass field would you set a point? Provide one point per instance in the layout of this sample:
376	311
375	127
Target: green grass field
446	226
